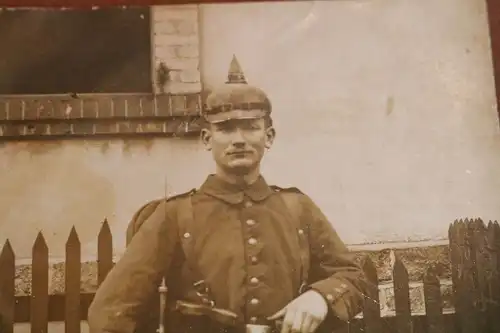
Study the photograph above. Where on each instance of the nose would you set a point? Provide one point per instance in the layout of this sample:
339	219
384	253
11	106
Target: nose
238	138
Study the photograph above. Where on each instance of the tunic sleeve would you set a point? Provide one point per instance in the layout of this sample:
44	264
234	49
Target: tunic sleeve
134	279
333	272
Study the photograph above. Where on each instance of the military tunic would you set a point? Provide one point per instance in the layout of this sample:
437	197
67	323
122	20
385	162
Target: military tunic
246	250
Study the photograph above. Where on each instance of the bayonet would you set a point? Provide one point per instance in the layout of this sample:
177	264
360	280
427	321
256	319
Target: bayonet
162	289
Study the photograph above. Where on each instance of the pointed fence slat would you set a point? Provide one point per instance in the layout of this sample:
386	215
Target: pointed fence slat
40	286
493	279
7	288
457	245
478	243
481	269
402	297
455	256
371	312
104	252
465	281
433	302
72	283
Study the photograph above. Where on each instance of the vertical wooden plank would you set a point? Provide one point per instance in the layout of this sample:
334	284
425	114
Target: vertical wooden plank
104	252
433	302
480	269
402	297
371	308
7	288
455	261
464	285
493	279
477	232
475	273
40	286
455	254
72	284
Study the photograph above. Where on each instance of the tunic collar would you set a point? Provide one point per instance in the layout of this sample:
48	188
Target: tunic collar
235	194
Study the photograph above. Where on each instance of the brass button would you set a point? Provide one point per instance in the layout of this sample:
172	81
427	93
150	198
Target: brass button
301	232
252	241
329	297
187	235
254	260
254	280
248	204
254	301
250	222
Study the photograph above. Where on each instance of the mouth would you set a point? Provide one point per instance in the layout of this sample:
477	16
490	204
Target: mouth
239	153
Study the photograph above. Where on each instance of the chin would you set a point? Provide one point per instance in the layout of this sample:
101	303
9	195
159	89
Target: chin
241	167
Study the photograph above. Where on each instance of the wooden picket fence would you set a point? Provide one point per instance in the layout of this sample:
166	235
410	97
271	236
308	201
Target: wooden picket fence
475	257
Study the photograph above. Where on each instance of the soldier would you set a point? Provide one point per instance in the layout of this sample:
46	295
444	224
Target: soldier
236	253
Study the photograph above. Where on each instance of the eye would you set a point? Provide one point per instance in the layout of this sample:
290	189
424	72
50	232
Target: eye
224	128
252	126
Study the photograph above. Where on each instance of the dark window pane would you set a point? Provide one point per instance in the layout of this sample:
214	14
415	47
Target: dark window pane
55	51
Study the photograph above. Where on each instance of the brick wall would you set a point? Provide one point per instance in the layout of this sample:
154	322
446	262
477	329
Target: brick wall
176	42
173	110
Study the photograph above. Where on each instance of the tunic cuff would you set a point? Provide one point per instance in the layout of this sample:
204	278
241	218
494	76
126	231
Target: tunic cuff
333	291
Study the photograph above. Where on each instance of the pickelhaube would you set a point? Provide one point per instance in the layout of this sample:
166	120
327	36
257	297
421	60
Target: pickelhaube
236	99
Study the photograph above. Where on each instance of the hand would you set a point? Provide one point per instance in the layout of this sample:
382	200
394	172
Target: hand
304	314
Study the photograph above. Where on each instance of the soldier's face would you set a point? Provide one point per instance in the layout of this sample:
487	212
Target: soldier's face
238	145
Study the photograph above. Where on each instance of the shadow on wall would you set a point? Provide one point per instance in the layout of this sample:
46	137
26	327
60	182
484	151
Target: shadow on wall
50	187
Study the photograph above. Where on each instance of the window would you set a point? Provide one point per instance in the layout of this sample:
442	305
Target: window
84	51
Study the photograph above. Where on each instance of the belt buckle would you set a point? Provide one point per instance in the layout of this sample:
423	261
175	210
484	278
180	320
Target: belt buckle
252	328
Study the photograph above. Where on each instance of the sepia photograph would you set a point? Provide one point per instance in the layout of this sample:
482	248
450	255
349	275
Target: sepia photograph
251	167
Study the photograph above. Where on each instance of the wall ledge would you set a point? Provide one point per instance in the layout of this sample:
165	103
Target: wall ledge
41	117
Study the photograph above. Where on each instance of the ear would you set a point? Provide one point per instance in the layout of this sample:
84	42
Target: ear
270	135
206	138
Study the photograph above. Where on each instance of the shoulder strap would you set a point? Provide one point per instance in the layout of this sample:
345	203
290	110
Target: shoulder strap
291	198
185	221
186	229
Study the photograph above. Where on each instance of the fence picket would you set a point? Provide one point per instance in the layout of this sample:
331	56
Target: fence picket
104	252
7	288
371	312
402	297
493	279
72	283
466	281
455	256
39	286
481	271
433	302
